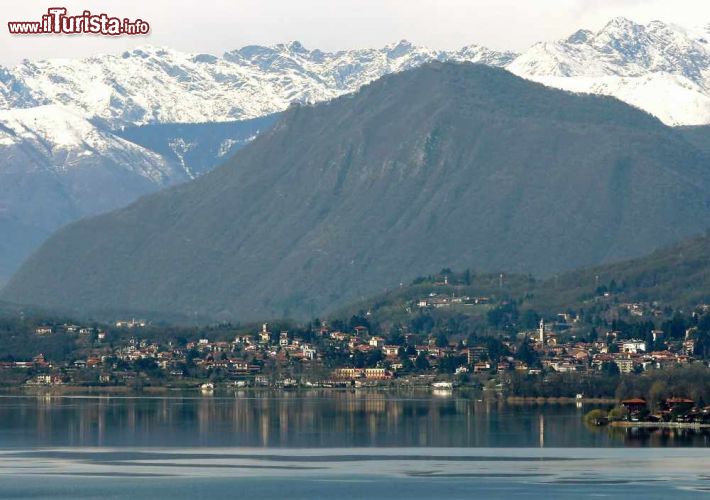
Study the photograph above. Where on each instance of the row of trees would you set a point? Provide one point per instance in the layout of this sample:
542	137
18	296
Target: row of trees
655	386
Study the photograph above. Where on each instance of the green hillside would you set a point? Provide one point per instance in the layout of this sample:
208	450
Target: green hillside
447	165
676	276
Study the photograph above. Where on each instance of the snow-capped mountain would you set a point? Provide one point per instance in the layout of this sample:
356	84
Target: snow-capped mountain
57	140
661	68
78	137
56	167
150	84
197	147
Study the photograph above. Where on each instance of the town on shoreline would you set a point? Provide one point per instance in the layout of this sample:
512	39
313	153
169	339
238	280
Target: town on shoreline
437	333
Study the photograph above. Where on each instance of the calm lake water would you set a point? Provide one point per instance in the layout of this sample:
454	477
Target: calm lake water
361	444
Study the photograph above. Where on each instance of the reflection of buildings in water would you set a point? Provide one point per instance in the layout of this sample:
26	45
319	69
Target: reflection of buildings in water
462	405
283	415
205	414
373	427
131	414
45	405
102	408
165	406
375	405
335	419
264	426
393	413
659	437
483	418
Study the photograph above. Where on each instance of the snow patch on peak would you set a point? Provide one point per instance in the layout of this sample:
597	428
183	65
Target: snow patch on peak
60	139
58	124
619	24
254	80
659	67
194	88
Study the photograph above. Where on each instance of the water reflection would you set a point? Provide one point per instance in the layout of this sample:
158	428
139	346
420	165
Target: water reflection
310	419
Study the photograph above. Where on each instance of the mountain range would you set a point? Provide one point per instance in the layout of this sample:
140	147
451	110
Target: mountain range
446	165
57	166
187	112
659	67
154	117
194	88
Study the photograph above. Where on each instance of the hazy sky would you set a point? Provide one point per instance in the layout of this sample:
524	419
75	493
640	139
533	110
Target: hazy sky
215	26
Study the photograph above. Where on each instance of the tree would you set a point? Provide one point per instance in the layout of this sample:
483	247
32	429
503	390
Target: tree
359	360
146	365
448	363
526	354
529	319
421	363
496	349
503	315
395	337
656	393
359	320
423	323
373	358
675	328
407	364
441	340
618	413
593	335
610	368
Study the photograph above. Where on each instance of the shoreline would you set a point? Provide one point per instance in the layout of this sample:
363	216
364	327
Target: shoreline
659	425
557	400
73	390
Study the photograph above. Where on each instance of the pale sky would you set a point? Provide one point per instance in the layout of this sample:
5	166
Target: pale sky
215	26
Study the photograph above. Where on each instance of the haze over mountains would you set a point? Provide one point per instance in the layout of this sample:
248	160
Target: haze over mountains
448	165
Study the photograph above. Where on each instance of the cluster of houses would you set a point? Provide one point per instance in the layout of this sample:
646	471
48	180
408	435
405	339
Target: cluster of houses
70	329
676	409
252	358
243	357
642	309
629	355
438	301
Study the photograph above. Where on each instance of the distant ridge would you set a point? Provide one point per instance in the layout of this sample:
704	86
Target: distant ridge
455	165
659	67
676	276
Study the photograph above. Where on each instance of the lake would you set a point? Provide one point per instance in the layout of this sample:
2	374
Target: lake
333	444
